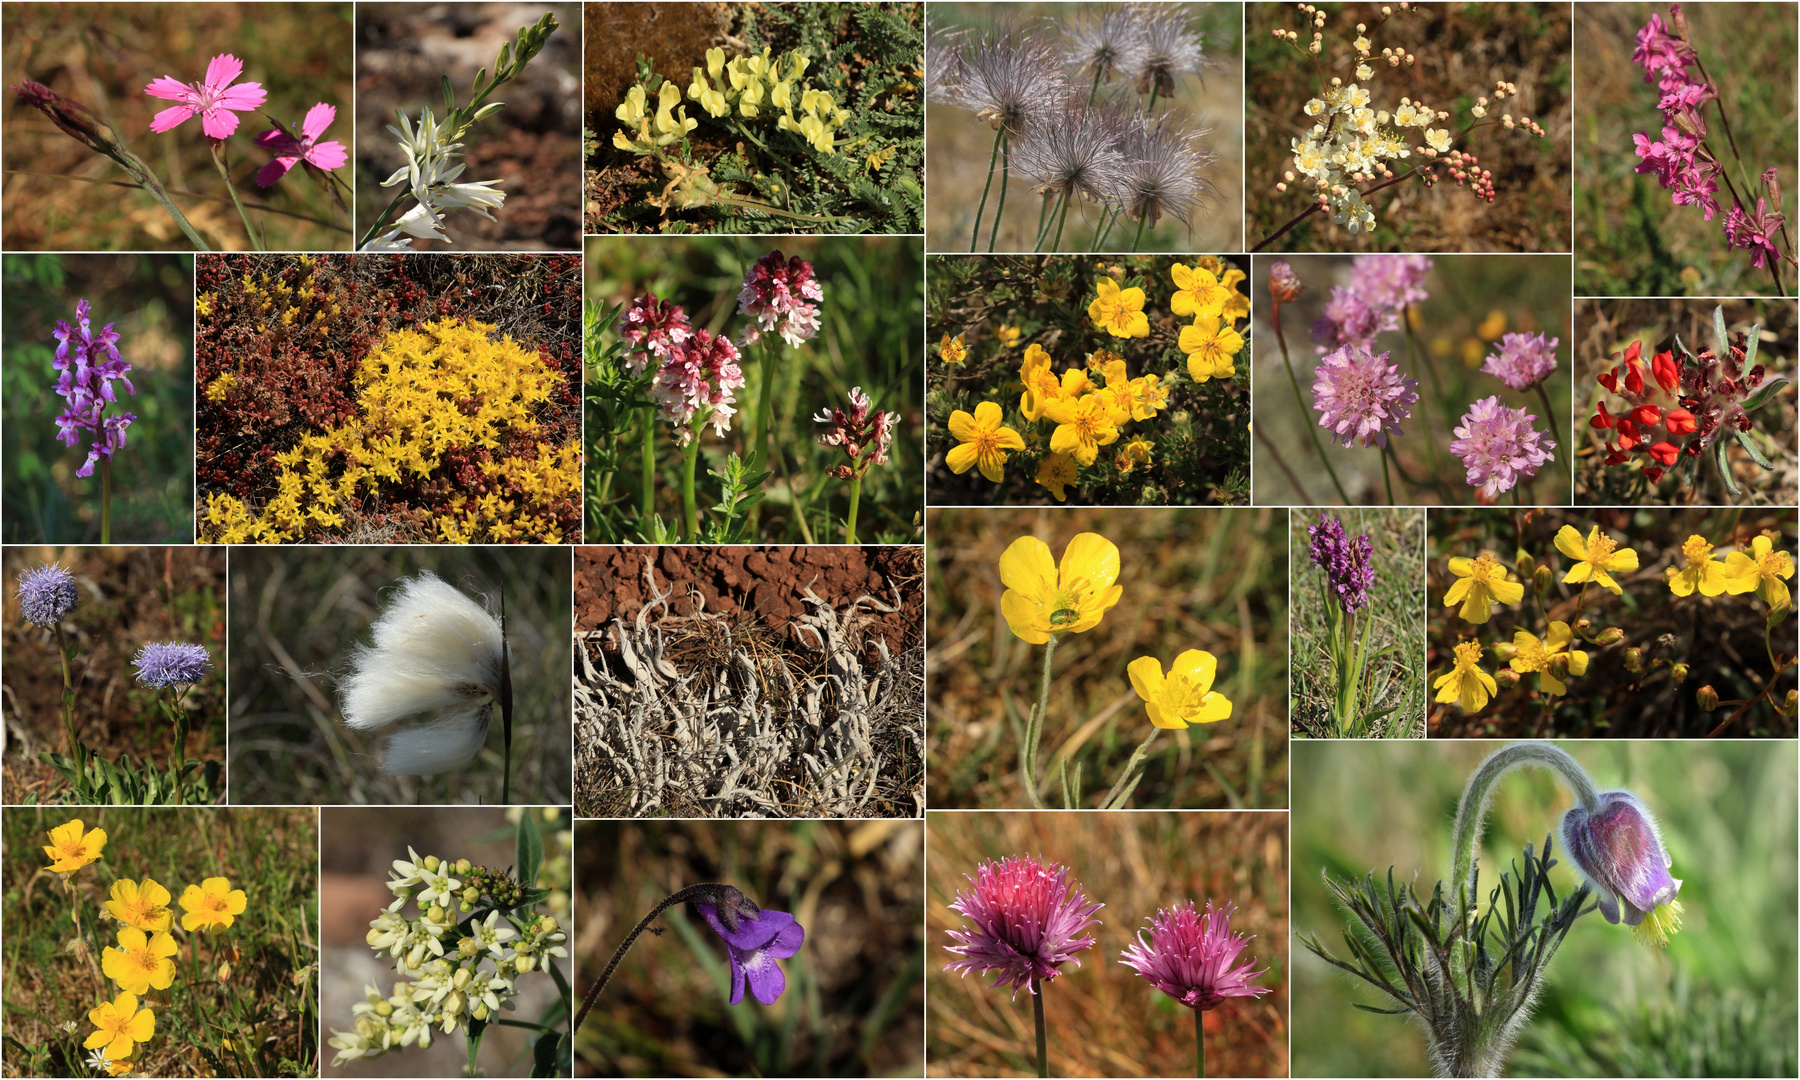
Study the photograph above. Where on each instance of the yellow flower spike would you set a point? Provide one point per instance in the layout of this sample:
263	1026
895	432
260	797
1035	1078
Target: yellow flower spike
1148	397
1481	582
144	906
1198	292
70	849
141	961
1595	558
1210	344
1043	598
1703	571
1118	312
1083	426
1762	571
631	110
1184	696
122	1025
715	63
1055	472
985	441
1466	684
1532	655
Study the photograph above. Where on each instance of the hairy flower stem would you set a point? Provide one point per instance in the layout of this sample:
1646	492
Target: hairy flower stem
1305	420
975	234
218	156
690	514
1044	223
649	463
710	890
850	519
1005	179
77	752
1043	218
1472	810
1549	415
1068	197
1034	728
178	717
1037	1015
75	909
1139	235
1128	779
1199	1045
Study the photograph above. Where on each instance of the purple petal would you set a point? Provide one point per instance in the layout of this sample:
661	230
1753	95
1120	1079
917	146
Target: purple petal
766	980
275	170
751	933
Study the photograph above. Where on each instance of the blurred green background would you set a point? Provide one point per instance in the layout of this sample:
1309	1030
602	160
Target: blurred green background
62	195
1212	579
1719	1001
868	337
1475	301
295	615
150	299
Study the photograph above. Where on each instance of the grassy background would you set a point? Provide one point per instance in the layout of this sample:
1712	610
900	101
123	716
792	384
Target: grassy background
1103	1018
854	993
61	195
1629	238
1475	300
868	337
1462	50
294	617
129	597
1720	638
1193	579
150	299
1396	604
269	994
957	146
1609	326
1727	814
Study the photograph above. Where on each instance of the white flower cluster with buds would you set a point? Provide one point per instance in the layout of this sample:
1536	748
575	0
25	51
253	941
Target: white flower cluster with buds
442	956
429	172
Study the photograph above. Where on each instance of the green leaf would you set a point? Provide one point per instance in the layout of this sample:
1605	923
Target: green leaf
543	1054
1743	438
1719	331
1724	467
1750	344
1764	393
476	1027
529	849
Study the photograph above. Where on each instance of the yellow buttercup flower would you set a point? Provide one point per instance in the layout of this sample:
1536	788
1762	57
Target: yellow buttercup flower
144	906
1594	558
1185	695
985	440
141	961
1703	571
1082	427
1056	471
1534	655
1136	451
211	906
951	350
1116	395
1119	312
1043	598
1198	292
122	1025
1210	344
70	849
1480	582
1466	684
1762	570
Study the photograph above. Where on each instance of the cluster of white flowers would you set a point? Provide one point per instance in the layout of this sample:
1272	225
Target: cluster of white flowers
431	171
440	954
1351	143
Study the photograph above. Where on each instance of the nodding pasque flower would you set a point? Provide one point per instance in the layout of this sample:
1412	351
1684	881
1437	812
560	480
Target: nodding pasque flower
47	595
1026	921
436	651
1043	598
1619	851
1346	562
1499	446
1359	395
755	937
89	362
777	293
166	664
1190	957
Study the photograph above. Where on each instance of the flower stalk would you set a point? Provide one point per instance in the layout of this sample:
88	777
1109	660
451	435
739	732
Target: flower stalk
218	156
1037	1017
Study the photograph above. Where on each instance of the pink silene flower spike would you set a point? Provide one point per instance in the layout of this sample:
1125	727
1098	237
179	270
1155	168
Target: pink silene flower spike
214	99
289	151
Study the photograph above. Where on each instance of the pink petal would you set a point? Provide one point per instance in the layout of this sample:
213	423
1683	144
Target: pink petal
275	170
170	118
277	140
224	69
172	89
318	118
218	123
242	97
328	155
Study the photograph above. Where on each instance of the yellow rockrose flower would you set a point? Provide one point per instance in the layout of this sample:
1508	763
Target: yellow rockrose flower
1533	655
144	906
122	1025
1043	598
1761	570
70	849
1056	471
985	441
1595	557
1703	571
1083	426
211	905
1466	684
1148	397
1480	582
1237	305
951	350
1210	344
141	961
1119	312
1185	695
1197	292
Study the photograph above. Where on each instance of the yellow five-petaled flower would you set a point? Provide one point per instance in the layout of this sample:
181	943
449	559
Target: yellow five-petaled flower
122	1025
1480	582
985	441
70	849
144	906
141	961
1466	684
1185	695
1043	598
1083	426
1763	570
1056	472
211	906
1703	571
1534	655
1119	312
1594	558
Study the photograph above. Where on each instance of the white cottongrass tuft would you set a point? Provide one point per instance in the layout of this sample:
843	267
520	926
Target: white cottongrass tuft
436	651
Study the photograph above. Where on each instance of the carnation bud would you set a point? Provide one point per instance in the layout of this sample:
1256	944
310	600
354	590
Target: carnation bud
1707	698
1678	672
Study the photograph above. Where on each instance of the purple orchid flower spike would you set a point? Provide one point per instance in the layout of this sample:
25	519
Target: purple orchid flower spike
755	938
1619	851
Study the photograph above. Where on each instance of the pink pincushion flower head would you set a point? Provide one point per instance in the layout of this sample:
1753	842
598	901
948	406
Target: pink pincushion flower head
1190	957
289	151
1027	922
1359	395
214	99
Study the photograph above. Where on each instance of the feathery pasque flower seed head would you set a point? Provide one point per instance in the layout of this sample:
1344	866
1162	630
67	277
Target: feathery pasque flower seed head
1359	395
1165	169
1170	47
1499	446
1010	79
1076	150
46	595
1104	42
164	664
1027	921
1190	957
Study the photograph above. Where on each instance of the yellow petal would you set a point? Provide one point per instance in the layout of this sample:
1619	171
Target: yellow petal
962	458
1458	589
1507	592
1021	616
1213	708
965	428
1568	541
1026	567
1146	677
1476	608
1199	666
1091	556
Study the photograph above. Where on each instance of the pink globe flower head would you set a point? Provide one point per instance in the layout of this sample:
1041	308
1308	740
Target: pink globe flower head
1359	395
1499	446
1523	360
1348	318
1390	282
1026	922
215	99
290	151
776	293
1619	851
1190	957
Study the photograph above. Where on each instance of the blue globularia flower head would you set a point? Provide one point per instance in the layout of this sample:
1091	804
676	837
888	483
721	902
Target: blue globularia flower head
163	664
47	594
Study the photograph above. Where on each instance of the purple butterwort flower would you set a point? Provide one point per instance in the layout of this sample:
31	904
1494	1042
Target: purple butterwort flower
289	151
777	292
214	99
1390	282
701	373
1754	232
1189	957
652	327
1359	395
1349	319
89	362
46	595
163	664
755	938
1499	446
1345	562
1027	922
1523	360
1619	851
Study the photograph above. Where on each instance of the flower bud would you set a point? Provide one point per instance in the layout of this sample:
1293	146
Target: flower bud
1507	678
1284	284
431	863
463	866
1612	635
1525	565
1505	651
1634	661
1617	848
1707	698
471	894
384	1008
467	947
1790	703
523	965
436	914
1559	667
1541	580
1584	624
461	980
1678	672
481	1011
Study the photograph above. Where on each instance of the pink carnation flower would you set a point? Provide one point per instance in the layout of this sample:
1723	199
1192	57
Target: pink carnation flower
289	151
214	99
